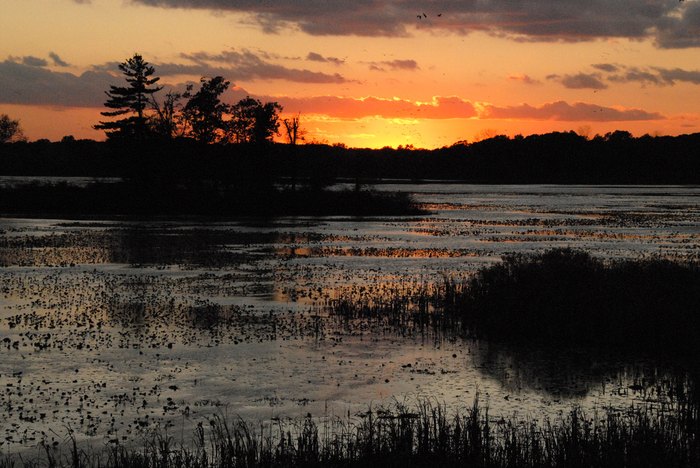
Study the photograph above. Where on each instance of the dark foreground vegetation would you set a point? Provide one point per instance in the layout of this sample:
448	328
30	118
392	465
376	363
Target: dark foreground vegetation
560	298
422	435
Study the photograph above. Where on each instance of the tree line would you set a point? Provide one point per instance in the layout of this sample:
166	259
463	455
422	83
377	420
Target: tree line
557	158
138	113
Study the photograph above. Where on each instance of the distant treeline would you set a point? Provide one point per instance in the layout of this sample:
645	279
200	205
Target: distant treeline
563	158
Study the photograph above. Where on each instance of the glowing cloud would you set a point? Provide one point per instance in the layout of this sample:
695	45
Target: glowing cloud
352	108
564	111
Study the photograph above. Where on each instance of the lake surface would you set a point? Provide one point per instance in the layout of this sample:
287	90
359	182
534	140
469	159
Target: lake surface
113	328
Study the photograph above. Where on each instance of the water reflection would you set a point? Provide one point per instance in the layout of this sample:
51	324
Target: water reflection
579	373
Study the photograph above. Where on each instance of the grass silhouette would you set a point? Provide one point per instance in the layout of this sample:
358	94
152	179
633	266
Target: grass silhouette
559	298
419	435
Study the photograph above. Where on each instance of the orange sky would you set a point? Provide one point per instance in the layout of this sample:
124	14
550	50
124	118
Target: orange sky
371	73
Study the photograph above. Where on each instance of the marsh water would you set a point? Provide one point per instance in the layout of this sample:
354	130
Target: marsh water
113	328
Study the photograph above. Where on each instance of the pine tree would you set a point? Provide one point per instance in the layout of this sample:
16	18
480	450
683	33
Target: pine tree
130	101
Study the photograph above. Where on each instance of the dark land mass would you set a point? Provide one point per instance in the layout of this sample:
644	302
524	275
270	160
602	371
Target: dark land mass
134	200
178	179
561	158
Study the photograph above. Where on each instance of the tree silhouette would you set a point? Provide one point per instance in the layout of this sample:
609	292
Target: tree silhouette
167	121
10	130
130	102
293	130
204	110
254	122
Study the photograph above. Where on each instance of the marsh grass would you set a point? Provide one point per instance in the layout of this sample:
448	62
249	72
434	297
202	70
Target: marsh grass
564	297
408	435
559	298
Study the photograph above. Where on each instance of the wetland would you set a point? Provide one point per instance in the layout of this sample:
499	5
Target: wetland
112	330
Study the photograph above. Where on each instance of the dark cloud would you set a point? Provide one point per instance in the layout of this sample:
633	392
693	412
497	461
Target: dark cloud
244	65
315	57
681	30
526	79
606	67
669	22
583	81
563	111
28	60
26	84
636	75
57	60
394	65
676	74
656	76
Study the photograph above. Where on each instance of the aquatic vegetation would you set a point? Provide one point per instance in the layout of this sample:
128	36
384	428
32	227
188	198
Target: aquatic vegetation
424	433
568	297
558	298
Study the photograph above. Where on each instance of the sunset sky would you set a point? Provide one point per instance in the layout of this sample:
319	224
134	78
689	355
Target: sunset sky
369	73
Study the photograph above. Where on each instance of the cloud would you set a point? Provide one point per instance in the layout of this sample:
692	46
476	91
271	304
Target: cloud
28	60
680	30
57	60
238	65
676	74
315	57
606	67
33	61
563	111
525	79
394	65
351	108
583	81
657	76
27	84
636	75
669	23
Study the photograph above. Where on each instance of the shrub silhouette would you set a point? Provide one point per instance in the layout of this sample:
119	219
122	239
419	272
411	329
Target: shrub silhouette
565	296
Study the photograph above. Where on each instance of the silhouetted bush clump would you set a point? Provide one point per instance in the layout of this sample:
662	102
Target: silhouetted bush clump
565	296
